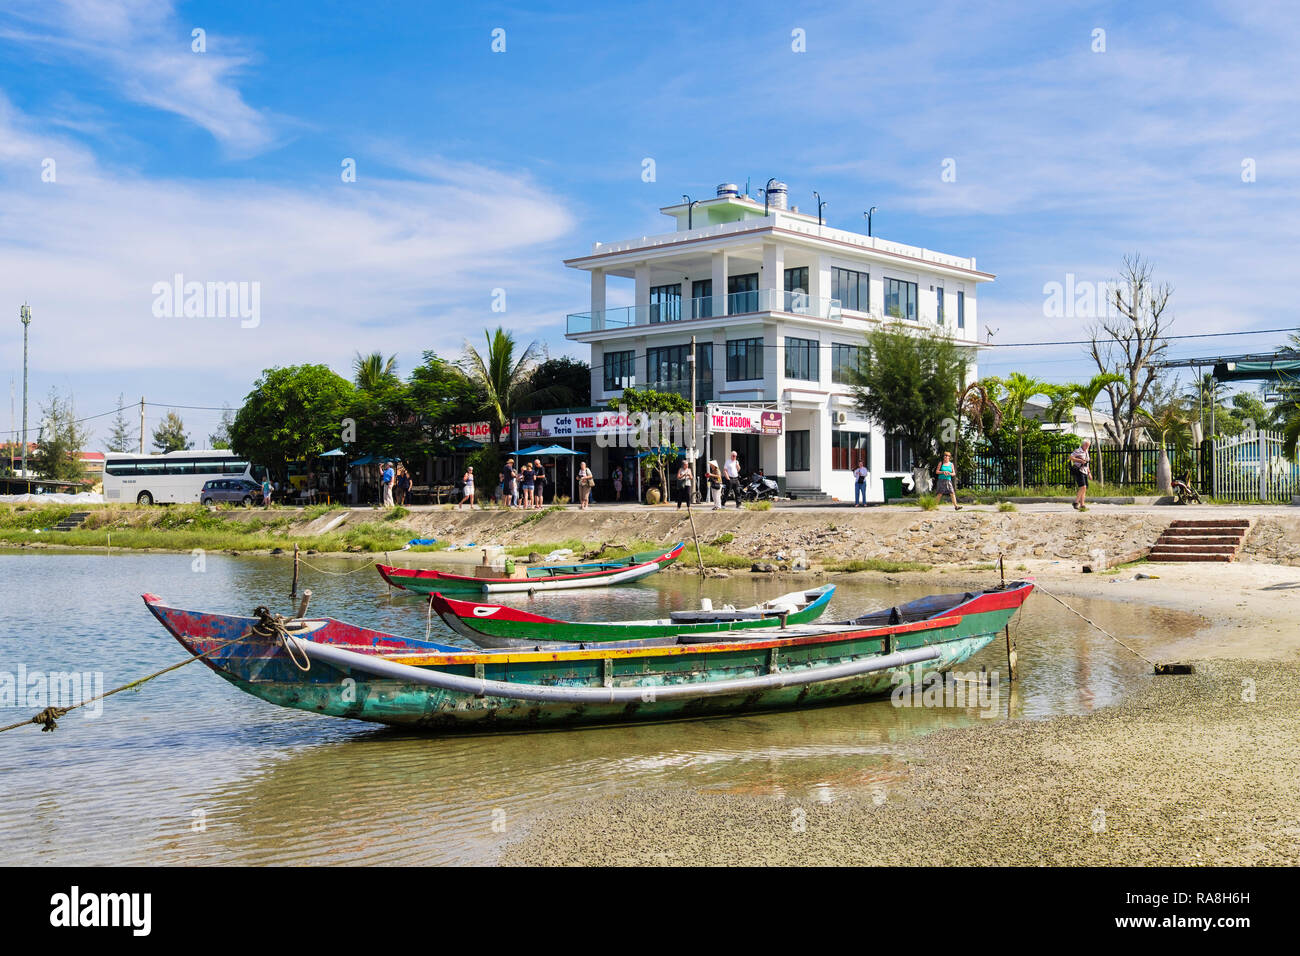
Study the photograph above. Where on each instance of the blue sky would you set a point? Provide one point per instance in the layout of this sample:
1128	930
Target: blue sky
479	170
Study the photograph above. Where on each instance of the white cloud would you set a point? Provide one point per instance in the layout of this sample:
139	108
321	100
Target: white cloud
398	264
145	51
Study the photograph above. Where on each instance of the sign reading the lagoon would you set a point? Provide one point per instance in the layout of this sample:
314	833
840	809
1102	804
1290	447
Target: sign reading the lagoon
744	421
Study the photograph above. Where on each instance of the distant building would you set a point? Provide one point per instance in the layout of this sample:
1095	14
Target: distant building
779	306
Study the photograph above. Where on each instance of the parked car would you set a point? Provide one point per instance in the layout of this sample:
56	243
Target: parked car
241	490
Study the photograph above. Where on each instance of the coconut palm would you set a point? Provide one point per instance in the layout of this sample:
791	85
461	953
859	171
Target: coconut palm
976	403
502	378
370	371
1066	398
1020	388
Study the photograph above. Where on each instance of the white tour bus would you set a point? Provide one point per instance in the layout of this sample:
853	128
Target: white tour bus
176	477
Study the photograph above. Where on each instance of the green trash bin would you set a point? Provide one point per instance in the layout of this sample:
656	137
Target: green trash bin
893	488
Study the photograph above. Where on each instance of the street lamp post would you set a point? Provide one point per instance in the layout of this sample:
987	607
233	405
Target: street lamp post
765	189
25	316
690	208
821	204
868	214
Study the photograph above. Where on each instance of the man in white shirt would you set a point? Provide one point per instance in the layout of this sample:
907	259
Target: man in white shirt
860	484
731	470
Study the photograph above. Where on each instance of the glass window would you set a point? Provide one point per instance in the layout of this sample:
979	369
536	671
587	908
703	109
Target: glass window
796	451
235	467
898	457
796	279
742	293
120	468
668	369
801	359
961	310
702	299
900	299
744	359
938	301
179	468
853	289
666	303
208	466
844	363
848	448
620	370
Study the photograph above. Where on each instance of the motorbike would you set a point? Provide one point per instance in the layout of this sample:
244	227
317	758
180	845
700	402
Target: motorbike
760	488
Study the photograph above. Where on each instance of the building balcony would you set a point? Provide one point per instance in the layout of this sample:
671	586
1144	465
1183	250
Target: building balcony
706	307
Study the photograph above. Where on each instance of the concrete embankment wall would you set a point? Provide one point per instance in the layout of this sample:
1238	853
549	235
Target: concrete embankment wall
942	537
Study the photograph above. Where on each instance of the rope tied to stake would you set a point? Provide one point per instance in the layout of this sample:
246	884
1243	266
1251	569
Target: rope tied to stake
1096	625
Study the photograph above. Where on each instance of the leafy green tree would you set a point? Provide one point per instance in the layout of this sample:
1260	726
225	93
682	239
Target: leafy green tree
443	392
371	371
1169	424
292	413
1287	413
170	434
61	442
502	378
558	382
909	382
670	414
121	434
977	403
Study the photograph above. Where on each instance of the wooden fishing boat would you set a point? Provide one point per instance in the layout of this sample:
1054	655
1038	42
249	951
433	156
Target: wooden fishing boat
496	625
330	667
542	577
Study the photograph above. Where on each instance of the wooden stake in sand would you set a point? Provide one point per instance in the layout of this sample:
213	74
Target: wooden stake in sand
293	590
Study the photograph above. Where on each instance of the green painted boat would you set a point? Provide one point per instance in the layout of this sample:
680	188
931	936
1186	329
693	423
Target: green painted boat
342	670
541	577
497	625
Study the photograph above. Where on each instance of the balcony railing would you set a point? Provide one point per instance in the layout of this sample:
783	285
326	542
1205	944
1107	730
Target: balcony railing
737	303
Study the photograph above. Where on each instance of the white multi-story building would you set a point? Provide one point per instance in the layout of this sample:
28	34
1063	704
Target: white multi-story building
779	306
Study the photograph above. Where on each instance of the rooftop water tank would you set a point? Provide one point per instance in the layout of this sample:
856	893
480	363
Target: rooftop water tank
776	196
728	189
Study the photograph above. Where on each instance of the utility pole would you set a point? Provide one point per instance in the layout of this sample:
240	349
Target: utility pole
142	424
694	473
25	316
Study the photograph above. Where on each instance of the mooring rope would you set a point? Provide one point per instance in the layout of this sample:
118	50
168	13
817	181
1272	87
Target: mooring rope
1094	624
50	716
341	574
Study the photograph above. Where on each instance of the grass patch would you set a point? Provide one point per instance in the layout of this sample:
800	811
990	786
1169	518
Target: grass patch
1006	506
725	538
758	506
396	514
876	564
928	502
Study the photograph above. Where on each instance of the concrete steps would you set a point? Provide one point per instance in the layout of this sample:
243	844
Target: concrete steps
1209	539
73	520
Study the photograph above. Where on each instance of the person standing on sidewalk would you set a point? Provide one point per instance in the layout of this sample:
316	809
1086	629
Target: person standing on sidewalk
1079	469
685	485
714	479
732	471
860	484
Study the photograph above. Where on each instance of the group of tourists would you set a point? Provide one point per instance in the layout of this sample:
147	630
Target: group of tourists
394	483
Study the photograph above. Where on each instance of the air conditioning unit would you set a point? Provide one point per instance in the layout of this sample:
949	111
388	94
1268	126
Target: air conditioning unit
841	418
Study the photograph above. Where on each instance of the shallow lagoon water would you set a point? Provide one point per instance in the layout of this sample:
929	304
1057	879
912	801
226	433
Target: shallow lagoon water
187	769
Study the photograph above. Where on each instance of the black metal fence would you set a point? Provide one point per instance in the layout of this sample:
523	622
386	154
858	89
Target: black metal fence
1133	467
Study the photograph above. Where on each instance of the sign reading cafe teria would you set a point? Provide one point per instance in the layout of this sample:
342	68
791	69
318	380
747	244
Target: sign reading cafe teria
744	421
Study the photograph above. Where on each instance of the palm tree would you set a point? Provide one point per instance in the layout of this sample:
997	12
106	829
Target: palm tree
1020	388
1288	412
1169	421
974	402
503	379
1066	398
370	371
